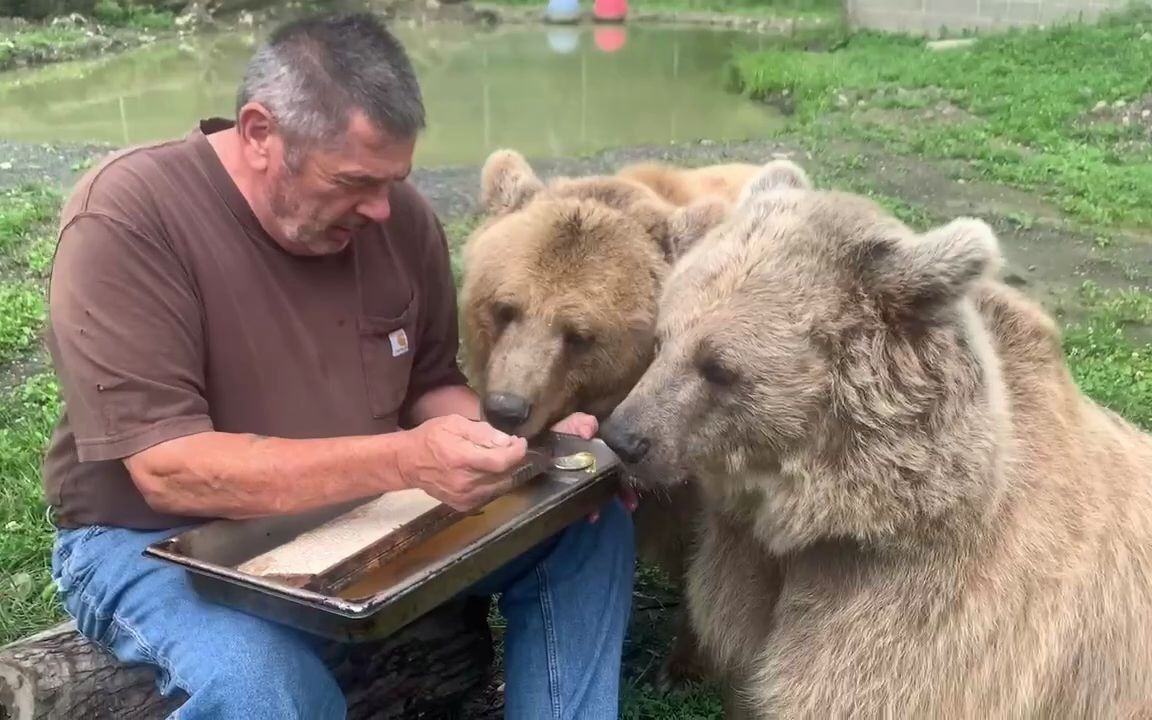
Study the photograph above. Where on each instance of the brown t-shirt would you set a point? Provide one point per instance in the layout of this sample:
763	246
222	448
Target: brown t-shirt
172	312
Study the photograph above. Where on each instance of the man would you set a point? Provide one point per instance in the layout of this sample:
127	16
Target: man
260	318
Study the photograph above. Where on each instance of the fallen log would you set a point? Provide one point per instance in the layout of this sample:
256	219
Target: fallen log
427	670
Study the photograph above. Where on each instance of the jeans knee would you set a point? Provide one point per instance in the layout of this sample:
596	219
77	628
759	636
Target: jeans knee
281	678
614	529
605	548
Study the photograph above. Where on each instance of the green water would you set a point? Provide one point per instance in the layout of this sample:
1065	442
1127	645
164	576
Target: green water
547	91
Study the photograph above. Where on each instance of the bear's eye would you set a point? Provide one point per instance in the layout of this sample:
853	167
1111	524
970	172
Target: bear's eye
503	313
717	373
578	340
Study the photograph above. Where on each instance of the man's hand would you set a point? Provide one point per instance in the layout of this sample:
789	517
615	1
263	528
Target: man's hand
585	426
580	424
462	463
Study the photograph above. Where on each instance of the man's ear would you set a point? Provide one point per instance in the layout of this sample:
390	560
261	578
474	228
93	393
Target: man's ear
774	175
915	275
507	182
257	128
689	224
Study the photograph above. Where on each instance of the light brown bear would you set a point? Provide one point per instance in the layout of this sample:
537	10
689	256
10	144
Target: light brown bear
558	304
910	508
686	185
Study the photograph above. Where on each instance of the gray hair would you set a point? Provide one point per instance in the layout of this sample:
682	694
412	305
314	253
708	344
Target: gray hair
312	73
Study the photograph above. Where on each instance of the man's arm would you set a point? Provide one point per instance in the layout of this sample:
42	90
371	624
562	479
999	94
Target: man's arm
446	400
233	475
459	462
322	470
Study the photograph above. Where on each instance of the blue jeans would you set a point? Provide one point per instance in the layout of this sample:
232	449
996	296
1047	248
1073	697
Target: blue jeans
566	603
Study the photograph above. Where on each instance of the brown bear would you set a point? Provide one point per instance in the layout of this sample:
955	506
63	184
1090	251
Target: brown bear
558	302
910	508
686	185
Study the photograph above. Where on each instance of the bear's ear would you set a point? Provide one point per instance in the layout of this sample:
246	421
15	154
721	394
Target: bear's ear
689	224
917	274
507	181
774	175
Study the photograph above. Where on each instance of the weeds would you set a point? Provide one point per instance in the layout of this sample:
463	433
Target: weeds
1015	106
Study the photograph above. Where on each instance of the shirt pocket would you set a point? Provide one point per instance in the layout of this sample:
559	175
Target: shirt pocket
387	348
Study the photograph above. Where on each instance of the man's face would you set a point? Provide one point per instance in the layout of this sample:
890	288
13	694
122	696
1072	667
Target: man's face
313	208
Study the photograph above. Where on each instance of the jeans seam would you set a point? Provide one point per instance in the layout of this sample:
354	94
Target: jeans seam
149	652
550	643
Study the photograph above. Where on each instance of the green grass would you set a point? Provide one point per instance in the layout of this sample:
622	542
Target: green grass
22	310
27	412
132	15
457	231
41	43
1022	94
26	217
1106	359
27	596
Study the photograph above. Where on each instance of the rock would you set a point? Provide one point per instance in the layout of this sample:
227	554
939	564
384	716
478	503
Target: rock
70	20
953	44
1015	279
196	15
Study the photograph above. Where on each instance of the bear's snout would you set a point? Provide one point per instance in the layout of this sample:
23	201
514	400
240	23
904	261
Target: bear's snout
631	446
506	412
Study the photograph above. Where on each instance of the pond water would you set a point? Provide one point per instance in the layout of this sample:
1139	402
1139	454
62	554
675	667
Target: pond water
952	17
547	91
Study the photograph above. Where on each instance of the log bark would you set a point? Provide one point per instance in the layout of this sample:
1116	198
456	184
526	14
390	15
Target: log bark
427	670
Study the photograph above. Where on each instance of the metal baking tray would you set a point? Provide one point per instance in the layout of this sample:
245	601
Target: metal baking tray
384	588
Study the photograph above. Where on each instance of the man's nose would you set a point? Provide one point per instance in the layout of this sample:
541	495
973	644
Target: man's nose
376	208
505	411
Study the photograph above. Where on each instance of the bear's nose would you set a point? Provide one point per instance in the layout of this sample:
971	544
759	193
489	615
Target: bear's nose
629	445
506	412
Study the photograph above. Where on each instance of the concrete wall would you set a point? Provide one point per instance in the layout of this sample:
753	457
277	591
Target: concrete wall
931	17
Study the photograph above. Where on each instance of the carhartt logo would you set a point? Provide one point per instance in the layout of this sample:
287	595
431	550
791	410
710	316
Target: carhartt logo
399	342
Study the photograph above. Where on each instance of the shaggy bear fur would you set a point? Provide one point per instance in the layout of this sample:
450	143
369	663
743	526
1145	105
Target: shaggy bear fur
684	186
910	508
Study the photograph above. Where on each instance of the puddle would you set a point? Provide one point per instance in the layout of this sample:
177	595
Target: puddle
951	17
548	91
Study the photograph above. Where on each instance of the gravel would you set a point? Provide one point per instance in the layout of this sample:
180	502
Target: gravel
43	163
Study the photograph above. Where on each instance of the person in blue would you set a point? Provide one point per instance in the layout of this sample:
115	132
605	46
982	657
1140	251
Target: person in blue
562	11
